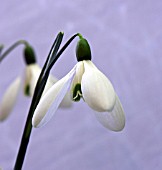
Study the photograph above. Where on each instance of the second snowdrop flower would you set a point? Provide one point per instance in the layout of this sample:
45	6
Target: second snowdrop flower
28	81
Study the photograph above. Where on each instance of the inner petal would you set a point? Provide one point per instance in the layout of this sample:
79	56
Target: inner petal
76	92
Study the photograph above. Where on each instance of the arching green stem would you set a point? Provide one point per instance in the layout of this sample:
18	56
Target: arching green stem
12	48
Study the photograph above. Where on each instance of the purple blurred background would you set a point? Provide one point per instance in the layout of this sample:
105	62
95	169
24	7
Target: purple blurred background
126	42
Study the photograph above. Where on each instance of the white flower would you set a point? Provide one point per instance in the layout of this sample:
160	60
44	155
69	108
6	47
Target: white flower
87	82
29	80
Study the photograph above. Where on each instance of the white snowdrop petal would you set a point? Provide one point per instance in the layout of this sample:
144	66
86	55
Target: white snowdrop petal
50	82
9	99
97	90
114	120
77	77
66	102
51	100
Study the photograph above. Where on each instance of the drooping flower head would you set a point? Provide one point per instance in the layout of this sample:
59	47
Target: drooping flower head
28	80
87	82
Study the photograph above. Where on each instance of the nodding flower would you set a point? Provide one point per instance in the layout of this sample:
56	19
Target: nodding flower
84	81
28	80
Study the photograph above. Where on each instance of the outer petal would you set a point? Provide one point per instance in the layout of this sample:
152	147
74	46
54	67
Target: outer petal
9	99
114	120
45	109
97	90
66	102
50	82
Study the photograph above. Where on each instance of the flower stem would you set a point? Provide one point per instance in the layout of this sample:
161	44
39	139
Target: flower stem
36	97
13	47
62	50
51	59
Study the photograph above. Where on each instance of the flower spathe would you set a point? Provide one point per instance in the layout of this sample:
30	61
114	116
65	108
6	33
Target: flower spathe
87	82
28	80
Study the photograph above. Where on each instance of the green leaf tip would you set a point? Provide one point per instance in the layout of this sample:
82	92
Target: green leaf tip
61	32
27	90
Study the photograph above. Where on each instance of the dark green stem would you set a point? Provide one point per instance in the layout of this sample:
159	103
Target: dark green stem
36	97
51	59
62	50
13	47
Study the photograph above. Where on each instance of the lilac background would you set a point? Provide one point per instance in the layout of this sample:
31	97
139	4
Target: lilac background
126	42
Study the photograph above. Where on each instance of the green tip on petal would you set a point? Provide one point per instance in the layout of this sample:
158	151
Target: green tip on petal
83	51
27	90
77	93
29	55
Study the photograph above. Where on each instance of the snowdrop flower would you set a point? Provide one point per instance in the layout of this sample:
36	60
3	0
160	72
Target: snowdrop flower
28	81
87	82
